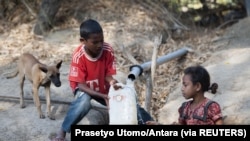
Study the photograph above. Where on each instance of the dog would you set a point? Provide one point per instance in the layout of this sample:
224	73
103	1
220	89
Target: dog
38	74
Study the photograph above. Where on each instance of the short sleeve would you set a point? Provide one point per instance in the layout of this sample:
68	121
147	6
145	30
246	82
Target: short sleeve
214	111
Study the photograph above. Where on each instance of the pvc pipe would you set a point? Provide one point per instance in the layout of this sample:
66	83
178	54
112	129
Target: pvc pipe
136	70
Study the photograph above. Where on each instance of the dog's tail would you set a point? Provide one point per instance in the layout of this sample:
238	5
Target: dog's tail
11	74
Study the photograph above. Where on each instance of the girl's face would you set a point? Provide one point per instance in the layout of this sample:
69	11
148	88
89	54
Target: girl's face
93	45
188	88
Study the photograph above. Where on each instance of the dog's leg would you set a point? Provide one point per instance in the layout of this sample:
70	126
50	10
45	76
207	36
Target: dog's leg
49	113
37	100
21	84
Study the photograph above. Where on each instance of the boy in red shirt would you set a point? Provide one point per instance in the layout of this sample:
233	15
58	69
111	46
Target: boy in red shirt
91	70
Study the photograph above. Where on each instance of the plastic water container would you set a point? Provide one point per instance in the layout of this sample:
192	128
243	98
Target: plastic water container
122	104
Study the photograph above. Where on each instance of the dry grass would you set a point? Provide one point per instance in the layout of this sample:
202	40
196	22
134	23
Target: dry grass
126	23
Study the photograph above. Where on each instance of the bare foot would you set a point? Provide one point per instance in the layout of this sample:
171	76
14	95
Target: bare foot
60	136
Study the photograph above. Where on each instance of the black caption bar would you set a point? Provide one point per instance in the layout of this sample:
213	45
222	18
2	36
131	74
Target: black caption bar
179	132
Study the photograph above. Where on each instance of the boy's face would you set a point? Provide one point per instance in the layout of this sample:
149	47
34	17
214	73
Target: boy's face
93	45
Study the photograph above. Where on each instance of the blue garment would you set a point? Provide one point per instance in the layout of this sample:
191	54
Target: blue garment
81	106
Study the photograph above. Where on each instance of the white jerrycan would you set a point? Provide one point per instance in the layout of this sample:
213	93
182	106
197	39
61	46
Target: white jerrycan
122	104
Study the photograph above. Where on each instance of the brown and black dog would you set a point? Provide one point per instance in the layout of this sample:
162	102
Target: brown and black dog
38	74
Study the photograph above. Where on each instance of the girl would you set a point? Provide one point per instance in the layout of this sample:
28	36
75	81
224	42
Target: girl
199	110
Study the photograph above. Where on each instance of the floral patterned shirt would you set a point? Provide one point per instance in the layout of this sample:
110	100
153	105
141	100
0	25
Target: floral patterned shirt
207	113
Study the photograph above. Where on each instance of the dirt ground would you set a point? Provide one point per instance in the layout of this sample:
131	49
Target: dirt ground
224	52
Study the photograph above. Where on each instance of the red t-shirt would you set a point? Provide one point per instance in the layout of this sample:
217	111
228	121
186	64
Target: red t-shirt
92	71
200	116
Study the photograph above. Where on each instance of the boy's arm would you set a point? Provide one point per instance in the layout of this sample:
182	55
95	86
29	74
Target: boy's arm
83	87
111	80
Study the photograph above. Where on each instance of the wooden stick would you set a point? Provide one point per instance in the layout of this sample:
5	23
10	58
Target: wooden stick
29	9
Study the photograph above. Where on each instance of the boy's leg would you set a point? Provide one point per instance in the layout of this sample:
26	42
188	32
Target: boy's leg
77	110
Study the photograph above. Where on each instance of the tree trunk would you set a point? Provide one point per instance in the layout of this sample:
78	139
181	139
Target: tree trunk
47	12
247	5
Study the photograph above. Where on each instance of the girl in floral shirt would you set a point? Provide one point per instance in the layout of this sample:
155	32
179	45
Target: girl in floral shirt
199	110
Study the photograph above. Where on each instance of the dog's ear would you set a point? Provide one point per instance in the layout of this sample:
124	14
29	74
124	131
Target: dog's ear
43	68
59	64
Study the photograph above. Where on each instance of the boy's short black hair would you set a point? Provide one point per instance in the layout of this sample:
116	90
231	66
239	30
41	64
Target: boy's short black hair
88	27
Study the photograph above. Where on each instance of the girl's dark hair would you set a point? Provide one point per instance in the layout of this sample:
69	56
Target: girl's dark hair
89	27
200	75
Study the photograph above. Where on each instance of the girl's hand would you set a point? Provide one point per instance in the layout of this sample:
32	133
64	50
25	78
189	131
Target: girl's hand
175	123
152	123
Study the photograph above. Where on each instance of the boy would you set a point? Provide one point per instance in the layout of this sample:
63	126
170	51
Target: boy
91	70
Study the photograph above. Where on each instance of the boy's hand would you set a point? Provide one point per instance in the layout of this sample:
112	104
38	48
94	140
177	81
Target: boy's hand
106	98
113	82
116	87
